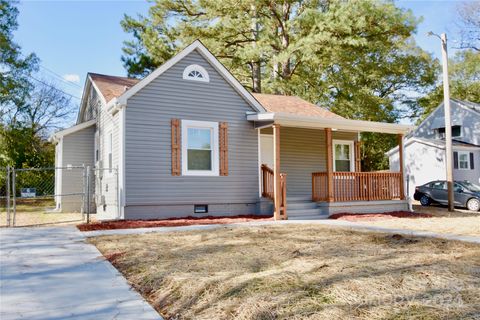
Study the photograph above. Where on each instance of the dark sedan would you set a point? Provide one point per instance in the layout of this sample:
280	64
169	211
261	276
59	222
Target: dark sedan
466	194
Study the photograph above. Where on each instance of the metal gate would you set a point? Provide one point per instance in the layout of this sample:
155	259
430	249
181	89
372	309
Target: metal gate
55	195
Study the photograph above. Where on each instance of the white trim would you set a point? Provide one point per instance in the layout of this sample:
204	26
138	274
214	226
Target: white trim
86	93
196	45
259	148
199	69
468	160
350	151
300	121
121	166
214	147
57	135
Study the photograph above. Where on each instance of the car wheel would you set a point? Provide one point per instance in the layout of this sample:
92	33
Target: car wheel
473	204
425	200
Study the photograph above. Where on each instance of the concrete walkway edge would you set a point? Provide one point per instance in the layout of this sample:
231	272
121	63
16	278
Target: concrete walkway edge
333	223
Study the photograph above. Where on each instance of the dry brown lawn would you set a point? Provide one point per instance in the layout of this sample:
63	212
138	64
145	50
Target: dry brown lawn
299	272
39	213
459	222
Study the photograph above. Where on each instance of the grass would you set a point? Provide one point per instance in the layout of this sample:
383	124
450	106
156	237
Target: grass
459	222
298	272
38	212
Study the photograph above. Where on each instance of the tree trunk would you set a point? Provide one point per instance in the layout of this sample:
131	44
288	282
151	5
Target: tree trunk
256	65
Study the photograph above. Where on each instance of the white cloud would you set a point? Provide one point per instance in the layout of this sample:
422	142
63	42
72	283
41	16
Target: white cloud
72	77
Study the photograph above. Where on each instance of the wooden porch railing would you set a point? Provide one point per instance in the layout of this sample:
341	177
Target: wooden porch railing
268	188
354	186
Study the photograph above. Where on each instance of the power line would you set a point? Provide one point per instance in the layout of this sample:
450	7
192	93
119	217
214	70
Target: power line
60	77
49	85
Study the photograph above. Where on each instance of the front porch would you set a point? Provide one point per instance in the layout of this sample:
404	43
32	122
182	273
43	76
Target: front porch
315	172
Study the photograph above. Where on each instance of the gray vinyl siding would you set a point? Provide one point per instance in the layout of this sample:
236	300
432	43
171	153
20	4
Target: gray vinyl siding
149	181
469	174
105	179
77	151
303	151
468	119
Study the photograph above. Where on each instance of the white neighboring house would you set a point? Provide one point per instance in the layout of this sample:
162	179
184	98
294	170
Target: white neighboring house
425	146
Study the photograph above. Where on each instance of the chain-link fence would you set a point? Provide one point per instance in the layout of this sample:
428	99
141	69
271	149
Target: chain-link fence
57	195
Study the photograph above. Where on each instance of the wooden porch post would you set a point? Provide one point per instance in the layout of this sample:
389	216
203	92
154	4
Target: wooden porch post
328	142
358	156
401	165
277	191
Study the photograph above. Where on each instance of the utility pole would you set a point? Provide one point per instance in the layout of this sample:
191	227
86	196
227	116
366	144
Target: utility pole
448	123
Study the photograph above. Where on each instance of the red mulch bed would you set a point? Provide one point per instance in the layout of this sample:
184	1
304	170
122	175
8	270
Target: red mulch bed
378	216
171	222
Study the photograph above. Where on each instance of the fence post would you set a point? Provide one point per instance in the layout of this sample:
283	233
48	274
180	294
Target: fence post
8	196
84	187
14	192
88	193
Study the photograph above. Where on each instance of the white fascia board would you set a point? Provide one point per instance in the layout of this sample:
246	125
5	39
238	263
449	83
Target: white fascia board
210	58
55	137
291	120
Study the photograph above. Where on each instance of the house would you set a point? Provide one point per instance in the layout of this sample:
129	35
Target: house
424	147
189	139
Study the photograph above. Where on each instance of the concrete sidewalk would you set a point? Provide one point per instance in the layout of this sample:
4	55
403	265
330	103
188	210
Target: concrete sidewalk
52	273
333	223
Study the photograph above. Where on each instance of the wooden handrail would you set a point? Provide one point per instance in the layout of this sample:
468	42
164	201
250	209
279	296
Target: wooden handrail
267	182
358	186
268	185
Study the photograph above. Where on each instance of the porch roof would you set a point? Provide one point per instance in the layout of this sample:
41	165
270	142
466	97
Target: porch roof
316	122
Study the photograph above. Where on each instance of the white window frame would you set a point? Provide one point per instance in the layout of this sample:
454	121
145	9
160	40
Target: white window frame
186	124
468	160
352	160
196	67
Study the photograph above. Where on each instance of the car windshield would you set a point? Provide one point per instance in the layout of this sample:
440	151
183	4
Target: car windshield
471	186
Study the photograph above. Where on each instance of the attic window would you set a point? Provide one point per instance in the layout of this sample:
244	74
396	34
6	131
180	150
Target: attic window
196	73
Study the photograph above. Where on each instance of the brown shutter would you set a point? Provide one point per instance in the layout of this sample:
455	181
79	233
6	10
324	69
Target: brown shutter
223	148
455	160
176	151
472	165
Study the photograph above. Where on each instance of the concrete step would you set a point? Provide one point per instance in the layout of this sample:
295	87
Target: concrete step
308	217
298	199
301	205
304	212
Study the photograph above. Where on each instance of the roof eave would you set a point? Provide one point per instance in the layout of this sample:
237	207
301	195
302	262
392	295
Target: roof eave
291	120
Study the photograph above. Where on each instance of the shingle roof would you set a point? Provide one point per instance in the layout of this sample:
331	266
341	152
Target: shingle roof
292	105
112	87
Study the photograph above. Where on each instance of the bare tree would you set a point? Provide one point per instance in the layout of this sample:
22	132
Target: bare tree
47	109
469	24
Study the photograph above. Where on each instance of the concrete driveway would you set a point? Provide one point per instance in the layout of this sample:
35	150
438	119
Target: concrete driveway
52	273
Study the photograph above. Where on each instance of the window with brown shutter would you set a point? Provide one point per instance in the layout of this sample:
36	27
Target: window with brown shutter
176	147
223	147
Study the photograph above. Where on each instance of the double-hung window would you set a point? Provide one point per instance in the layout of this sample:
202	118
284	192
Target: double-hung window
200	148
343	156
463	160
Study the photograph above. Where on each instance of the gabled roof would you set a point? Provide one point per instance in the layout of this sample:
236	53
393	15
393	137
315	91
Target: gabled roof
207	55
65	132
437	143
112	86
469	105
292	105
